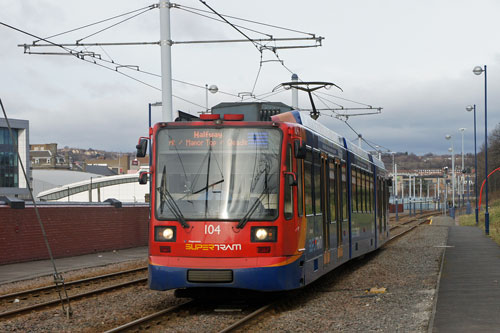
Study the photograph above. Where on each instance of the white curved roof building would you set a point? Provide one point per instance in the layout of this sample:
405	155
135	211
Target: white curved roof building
124	188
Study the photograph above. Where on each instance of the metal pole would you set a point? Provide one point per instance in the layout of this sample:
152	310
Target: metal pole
475	164
206	97
295	93
166	61
150	155
90	190
438	190
414	186
397	210
486	213
409	186
453	176
395	178
467	209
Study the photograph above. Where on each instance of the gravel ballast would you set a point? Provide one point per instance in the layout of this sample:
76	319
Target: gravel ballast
407	267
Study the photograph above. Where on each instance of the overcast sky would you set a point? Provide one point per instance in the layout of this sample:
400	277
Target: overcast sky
412	58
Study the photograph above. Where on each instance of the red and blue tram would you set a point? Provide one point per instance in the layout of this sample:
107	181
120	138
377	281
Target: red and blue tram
261	205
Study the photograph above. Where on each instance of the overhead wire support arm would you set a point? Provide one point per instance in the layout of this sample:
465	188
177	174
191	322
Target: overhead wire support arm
258	40
27	46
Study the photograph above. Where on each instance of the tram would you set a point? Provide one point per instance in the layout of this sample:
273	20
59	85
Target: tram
259	205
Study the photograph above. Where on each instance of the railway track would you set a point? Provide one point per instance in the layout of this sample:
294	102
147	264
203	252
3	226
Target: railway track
47	296
409	225
144	323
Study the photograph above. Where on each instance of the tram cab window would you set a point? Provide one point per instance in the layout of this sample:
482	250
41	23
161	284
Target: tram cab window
288	197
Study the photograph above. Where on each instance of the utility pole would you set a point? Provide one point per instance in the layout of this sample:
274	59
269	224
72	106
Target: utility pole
166	61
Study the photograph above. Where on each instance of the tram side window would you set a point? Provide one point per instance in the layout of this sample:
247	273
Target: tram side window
333	191
308	182
361	192
300	188
354	196
359	185
370	180
379	204
386	200
317	183
288	189
379	199
345	202
367	193
361	178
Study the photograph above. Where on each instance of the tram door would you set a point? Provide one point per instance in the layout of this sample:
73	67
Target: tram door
335	204
324	208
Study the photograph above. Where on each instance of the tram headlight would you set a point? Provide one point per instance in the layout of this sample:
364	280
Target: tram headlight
261	234
264	234
165	234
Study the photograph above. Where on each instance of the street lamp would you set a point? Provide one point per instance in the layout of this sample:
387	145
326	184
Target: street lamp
213	89
478	71
452	210
469	108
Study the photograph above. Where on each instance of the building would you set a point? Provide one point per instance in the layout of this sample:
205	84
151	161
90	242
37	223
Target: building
44	156
12	181
118	166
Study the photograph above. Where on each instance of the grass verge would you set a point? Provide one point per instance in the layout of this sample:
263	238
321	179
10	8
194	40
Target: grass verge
494	210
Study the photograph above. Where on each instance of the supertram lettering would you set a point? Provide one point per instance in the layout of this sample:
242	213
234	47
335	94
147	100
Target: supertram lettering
213	247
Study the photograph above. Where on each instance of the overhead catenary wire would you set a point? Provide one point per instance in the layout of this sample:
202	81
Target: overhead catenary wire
115	24
142	10
98	22
232	25
260	47
75	53
358	134
258	73
344	99
222	21
250	21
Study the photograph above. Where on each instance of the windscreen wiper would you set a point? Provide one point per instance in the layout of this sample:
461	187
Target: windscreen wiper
207	187
252	209
167	198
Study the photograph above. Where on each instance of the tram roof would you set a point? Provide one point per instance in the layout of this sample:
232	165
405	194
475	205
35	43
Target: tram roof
303	118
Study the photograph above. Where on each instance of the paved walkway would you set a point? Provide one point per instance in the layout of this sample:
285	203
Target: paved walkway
33	269
469	290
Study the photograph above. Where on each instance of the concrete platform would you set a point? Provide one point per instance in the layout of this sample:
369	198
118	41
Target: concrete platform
33	269
468	298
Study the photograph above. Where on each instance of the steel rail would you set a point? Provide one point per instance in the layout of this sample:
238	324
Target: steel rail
418	222
74	297
70	283
246	319
148	318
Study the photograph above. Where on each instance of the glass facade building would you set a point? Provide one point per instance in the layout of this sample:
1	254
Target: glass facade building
8	159
12	181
